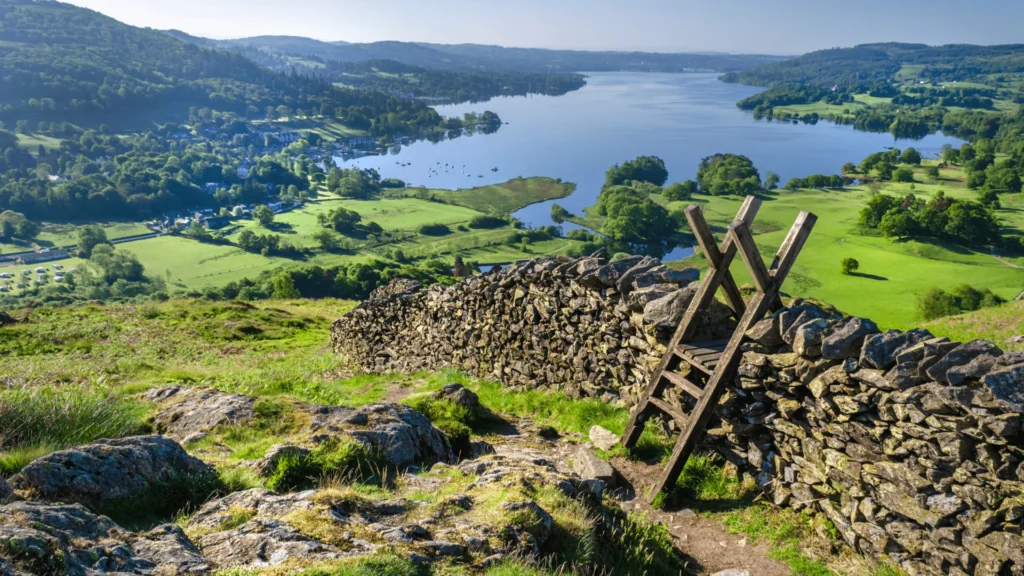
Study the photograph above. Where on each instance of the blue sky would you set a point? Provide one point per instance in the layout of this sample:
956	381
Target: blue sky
748	26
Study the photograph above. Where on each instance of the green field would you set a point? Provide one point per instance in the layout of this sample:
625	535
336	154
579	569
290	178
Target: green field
58	235
328	128
891	274
504	198
32	142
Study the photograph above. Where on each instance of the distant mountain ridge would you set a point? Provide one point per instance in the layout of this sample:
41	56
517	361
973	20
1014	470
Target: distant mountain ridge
487	57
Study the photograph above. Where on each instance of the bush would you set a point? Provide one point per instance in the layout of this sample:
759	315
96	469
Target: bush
849	266
487	222
937	303
903	175
435	230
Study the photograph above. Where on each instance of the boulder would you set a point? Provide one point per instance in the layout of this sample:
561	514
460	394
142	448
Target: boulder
185	411
971	371
459	395
258	501
110	470
38	538
590	467
603	438
403	435
5	491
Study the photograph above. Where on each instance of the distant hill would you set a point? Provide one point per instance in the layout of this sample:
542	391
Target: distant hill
495	58
59	62
868	64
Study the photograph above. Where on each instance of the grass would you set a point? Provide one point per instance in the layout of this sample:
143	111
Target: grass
997	324
785	532
37	420
891	274
498	199
32	142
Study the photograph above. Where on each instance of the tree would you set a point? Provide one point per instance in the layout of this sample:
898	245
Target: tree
680	191
6	230
849	266
26	229
910	156
903	175
283	287
327	240
897	224
89	237
771	181
340	220
264	215
849	168
199	232
724	174
559	214
116	265
643	169
932	172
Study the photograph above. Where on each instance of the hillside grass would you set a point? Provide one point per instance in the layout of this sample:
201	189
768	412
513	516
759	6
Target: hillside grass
499	199
998	324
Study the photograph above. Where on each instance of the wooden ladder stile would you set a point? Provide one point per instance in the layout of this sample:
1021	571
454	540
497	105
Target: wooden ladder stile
713	364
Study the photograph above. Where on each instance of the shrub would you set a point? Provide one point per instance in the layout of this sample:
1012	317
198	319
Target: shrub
487	222
937	303
435	230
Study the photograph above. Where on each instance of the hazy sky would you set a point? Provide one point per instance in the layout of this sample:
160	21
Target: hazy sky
763	26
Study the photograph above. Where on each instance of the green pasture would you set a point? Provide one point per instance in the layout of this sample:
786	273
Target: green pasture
501	199
891	274
32	142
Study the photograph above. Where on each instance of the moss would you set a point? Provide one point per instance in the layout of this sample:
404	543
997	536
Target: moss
237	516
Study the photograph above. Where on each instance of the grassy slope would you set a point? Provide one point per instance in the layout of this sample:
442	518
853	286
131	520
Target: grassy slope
995	324
500	199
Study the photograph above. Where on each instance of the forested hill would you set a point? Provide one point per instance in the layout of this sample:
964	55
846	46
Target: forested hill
491	58
61	63
873	64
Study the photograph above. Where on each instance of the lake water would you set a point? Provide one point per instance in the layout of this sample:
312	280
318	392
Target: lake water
619	116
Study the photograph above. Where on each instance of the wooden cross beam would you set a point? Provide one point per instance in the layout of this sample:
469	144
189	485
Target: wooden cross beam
717	360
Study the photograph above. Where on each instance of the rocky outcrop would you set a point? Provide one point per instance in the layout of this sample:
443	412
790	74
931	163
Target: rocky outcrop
186	411
588	327
109	471
5	491
403	435
38	538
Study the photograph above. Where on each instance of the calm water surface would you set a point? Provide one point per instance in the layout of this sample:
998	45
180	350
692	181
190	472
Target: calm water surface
618	116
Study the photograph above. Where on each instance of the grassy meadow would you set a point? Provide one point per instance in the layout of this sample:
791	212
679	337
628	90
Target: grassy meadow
891	273
191	265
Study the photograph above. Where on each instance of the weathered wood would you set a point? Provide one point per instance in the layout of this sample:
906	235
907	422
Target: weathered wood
719	260
720	359
687	386
671	410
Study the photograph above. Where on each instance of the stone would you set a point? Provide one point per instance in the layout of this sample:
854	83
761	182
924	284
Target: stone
808	337
732	572
459	395
766	332
170	550
879	350
1007	385
186	411
5	491
110	470
590	467
666	312
603	438
267	465
846	340
960	356
258	501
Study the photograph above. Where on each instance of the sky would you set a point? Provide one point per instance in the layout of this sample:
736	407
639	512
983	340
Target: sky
736	26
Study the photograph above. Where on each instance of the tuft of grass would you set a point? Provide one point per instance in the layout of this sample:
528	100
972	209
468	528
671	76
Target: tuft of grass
35	421
705	483
784	530
237	479
339	457
382	564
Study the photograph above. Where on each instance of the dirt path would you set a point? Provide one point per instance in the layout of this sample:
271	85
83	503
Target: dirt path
704	542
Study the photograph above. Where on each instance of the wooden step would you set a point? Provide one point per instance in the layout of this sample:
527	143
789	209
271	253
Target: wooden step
669	409
689	387
702	355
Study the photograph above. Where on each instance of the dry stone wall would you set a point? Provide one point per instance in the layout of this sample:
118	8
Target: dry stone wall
912	446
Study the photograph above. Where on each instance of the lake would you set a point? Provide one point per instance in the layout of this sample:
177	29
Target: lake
618	116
